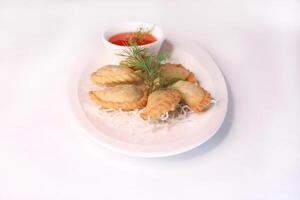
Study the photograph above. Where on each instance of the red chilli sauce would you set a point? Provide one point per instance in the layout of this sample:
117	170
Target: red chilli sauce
122	39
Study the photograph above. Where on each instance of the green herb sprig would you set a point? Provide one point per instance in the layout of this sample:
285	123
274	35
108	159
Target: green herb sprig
147	65
138	35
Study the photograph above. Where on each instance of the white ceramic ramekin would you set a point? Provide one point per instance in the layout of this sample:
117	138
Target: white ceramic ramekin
113	50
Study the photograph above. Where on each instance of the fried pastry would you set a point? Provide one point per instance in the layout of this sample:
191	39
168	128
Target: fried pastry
174	72
160	102
114	74
197	98
125	97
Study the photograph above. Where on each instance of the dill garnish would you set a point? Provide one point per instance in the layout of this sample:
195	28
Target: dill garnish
147	65
138	36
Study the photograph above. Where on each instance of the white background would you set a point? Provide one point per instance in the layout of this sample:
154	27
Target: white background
44	153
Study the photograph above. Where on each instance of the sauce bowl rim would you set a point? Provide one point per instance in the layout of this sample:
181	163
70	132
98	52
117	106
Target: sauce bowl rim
159	38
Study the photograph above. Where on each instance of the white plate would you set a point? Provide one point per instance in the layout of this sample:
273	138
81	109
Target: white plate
176	139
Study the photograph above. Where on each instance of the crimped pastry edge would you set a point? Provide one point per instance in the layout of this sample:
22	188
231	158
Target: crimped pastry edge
175	98
202	105
114	80
126	106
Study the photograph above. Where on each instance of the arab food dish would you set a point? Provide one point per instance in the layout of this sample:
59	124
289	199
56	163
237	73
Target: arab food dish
147	83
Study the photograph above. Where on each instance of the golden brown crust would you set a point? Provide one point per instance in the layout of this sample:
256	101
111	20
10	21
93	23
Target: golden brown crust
204	104
192	78
160	102
114	74
126	106
177	71
171	64
196	97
